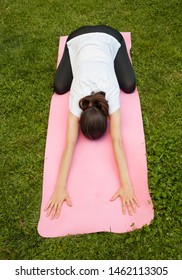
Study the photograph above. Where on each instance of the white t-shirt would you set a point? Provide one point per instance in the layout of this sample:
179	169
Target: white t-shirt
92	59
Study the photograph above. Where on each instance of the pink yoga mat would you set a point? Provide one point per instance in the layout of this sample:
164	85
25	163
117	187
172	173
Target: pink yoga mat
93	177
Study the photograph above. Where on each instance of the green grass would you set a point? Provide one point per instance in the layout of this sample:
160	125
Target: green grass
29	42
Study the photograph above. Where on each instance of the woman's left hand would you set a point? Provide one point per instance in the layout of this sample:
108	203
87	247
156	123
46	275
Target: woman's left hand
128	199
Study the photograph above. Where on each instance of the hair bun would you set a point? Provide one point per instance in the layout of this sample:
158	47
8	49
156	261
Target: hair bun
96	100
84	103
97	105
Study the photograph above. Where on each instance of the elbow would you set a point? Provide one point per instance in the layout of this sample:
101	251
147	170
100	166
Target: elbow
71	143
117	144
69	148
116	141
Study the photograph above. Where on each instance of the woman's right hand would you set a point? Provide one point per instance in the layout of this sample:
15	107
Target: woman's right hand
54	205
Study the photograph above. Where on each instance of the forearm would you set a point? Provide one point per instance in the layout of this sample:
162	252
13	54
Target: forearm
65	165
121	163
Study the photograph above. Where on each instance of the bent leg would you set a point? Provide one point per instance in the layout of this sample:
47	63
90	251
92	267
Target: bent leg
123	67
63	77
124	70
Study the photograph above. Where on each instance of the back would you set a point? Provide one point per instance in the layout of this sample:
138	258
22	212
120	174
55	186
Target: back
92	59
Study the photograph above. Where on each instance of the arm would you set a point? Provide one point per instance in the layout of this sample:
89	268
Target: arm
60	193
126	191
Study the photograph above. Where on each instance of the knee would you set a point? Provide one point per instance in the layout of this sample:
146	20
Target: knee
129	87
59	89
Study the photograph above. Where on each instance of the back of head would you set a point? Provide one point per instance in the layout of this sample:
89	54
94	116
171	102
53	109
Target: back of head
93	120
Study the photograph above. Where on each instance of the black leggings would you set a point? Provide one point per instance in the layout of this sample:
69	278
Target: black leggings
123	67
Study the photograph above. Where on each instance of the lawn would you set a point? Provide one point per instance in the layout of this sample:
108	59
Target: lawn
30	32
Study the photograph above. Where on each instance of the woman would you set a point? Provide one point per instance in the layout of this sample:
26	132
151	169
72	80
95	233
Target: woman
94	66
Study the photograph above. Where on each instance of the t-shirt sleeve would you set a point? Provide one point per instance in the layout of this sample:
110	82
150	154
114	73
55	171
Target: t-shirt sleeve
114	46
74	106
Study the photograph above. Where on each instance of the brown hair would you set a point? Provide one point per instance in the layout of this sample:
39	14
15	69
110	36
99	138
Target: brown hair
93	120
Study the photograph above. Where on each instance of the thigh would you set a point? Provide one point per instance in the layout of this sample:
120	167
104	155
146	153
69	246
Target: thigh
63	77
124	70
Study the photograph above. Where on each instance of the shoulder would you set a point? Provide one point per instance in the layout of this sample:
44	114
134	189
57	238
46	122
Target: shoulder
74	99
113	97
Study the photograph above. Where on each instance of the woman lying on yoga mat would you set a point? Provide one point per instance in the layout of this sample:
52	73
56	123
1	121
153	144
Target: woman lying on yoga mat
94	66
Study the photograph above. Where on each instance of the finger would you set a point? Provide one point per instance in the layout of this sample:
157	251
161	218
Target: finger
133	206
47	205
123	207
68	200
49	210
58	211
136	201
129	208
115	196
54	211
